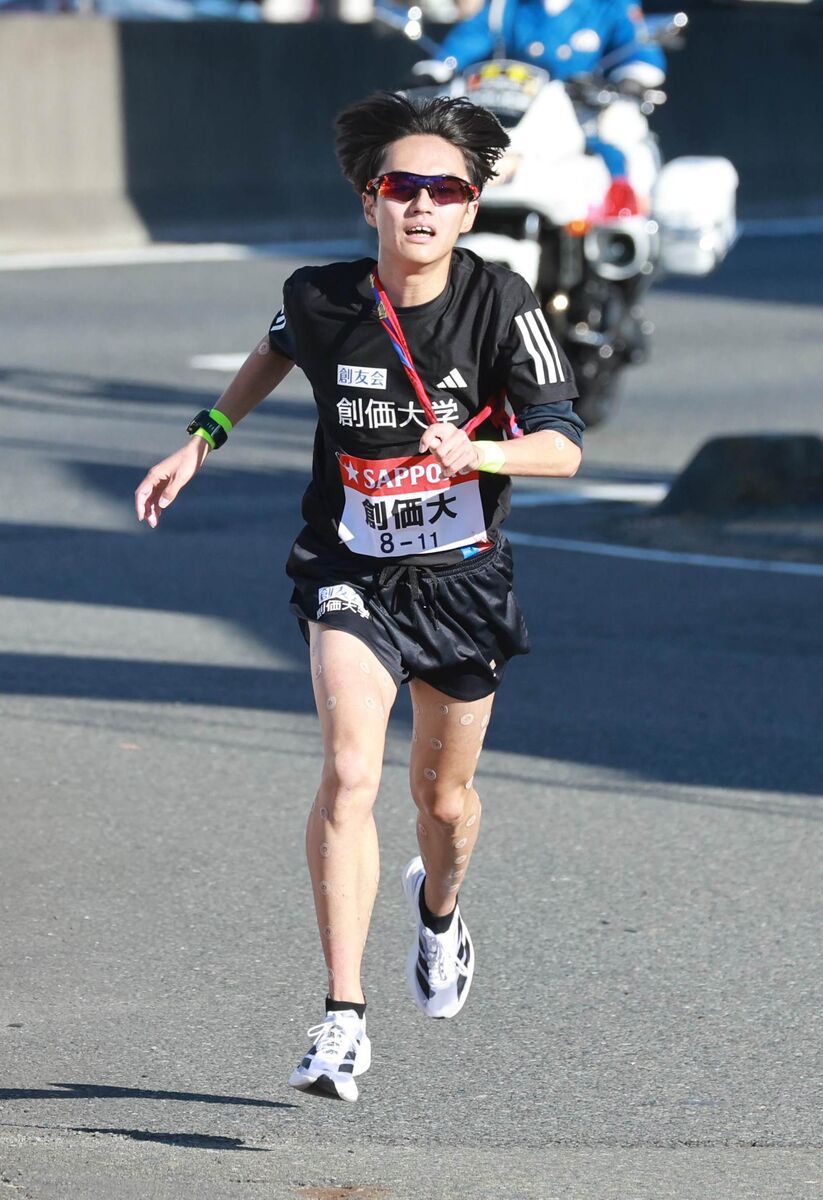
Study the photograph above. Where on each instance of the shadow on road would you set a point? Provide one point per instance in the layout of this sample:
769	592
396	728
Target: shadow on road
98	1091
191	1141
57	392
774	270
150	682
666	674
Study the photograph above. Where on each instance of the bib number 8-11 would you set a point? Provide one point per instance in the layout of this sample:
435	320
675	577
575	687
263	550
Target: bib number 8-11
427	541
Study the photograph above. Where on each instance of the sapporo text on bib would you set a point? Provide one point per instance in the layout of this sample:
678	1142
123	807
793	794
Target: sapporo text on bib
404	506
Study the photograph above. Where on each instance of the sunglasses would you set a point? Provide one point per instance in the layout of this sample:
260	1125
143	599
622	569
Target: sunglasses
404	186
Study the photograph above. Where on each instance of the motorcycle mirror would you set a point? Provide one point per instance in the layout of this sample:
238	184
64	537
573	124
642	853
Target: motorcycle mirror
667	30
414	24
409	22
664	30
652	99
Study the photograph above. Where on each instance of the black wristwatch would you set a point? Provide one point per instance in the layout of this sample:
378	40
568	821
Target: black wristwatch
213	428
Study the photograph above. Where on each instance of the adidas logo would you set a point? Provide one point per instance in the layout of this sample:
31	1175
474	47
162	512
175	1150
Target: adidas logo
453	380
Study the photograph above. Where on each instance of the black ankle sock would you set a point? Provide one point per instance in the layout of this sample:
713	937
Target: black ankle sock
435	924
342	1005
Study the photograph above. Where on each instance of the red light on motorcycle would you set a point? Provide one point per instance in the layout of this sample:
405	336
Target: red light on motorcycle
577	228
621	200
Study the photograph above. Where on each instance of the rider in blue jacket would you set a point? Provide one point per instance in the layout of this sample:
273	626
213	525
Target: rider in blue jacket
566	37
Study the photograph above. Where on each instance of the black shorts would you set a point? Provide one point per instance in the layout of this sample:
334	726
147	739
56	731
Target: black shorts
455	627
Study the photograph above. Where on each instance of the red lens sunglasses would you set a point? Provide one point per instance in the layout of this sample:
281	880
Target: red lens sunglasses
404	186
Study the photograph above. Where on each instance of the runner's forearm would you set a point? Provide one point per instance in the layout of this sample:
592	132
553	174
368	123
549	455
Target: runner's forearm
259	375
544	452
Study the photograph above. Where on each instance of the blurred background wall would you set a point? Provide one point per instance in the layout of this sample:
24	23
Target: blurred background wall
125	131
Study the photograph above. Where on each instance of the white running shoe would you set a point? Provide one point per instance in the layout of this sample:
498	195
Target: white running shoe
339	1051
439	966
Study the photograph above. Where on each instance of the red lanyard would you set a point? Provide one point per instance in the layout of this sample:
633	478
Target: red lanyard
389	320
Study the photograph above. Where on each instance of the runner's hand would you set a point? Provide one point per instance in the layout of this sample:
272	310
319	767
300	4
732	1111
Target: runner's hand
451	448
165	480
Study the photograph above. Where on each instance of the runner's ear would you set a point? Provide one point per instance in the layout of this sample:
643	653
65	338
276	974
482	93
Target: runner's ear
469	215
368	209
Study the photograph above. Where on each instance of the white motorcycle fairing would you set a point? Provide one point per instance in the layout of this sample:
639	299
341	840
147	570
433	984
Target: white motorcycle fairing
694	204
547	172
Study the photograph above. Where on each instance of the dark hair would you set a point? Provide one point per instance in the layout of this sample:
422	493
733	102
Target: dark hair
366	130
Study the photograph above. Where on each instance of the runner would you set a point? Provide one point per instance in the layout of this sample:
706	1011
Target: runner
401	573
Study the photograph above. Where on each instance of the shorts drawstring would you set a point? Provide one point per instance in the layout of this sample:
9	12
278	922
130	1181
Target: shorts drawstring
419	581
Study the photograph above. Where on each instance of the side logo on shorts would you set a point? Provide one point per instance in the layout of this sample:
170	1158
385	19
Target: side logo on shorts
340	598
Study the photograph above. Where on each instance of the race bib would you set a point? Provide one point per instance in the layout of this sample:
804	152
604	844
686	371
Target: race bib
404	506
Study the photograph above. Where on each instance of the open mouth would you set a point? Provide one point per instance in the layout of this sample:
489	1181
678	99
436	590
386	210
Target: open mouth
420	231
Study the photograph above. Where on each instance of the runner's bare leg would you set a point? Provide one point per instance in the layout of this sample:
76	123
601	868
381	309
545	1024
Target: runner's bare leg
354	694
446	744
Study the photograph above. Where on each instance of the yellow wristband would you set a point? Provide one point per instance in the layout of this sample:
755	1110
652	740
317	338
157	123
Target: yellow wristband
207	438
491	455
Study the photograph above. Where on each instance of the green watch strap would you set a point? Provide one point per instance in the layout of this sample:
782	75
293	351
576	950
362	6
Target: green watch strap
206	436
212	426
221	419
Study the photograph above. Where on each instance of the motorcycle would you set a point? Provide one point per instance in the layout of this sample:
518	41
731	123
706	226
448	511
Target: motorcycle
589	244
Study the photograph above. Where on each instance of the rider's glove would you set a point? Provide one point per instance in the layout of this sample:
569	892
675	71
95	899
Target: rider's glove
434	71
637	75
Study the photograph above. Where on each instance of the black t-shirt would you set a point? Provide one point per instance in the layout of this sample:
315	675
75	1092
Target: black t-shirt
483	335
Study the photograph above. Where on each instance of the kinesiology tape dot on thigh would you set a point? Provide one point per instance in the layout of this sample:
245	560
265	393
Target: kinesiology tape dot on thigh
359	694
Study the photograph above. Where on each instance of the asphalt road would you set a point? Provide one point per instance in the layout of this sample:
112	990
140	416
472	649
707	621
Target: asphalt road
645	901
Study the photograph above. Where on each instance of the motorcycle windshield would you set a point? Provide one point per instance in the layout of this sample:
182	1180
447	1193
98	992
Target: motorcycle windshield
505	87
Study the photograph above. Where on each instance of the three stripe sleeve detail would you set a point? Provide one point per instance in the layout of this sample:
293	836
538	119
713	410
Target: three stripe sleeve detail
538	340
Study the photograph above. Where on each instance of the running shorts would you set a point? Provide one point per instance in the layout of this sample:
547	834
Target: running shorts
454	626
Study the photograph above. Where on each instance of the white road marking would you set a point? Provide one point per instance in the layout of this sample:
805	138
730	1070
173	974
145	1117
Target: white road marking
172	252
230	363
127	256
644	554
588	493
